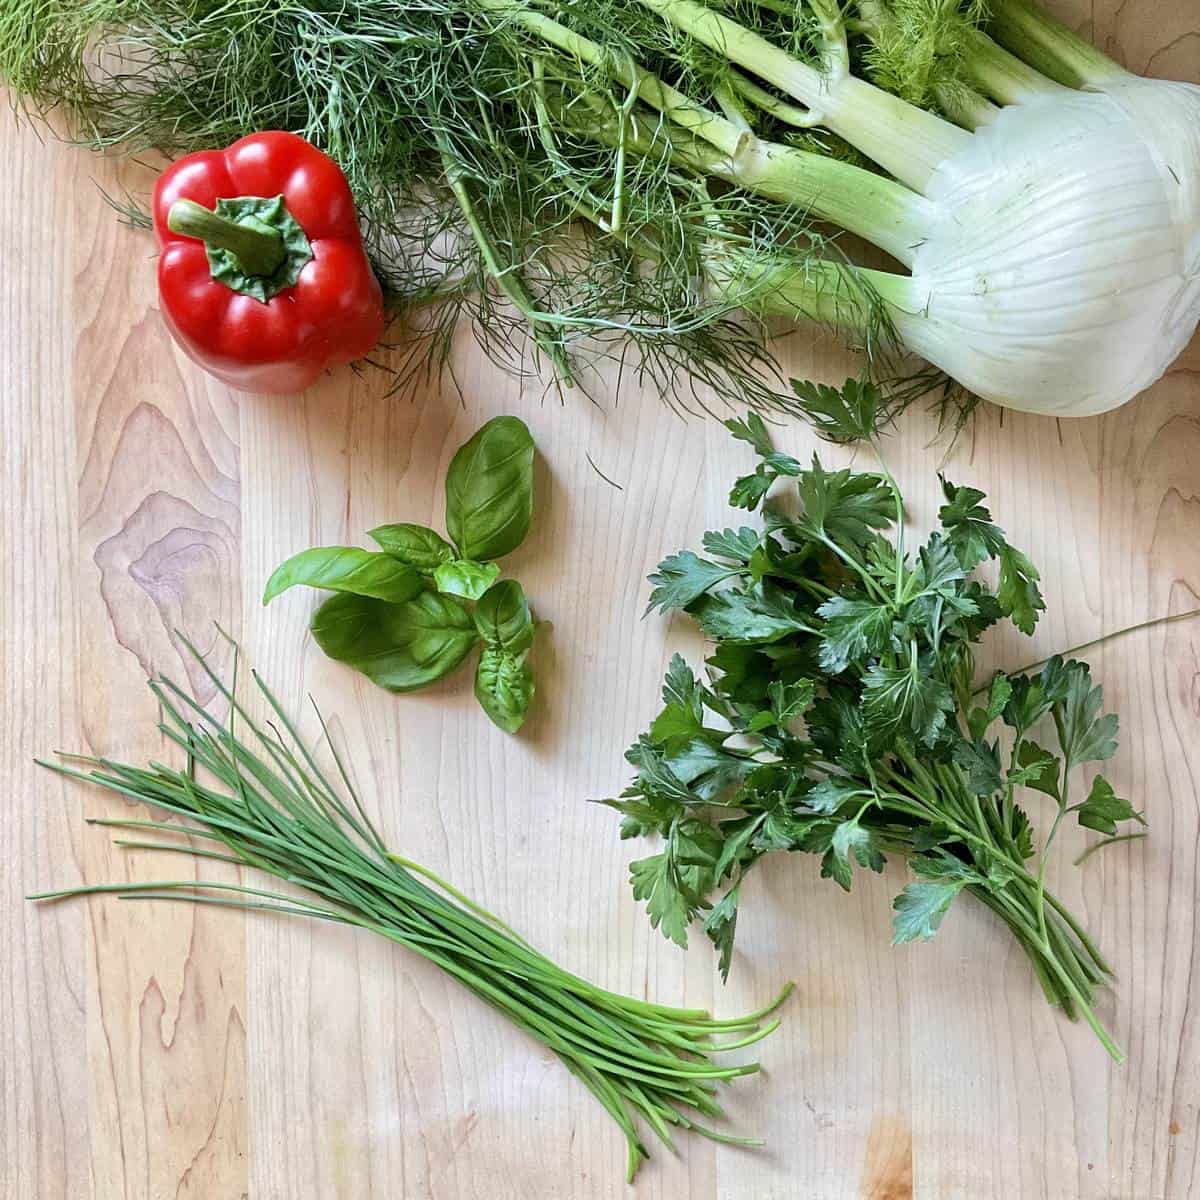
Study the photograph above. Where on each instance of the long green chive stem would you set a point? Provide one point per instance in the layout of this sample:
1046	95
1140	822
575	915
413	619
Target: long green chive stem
275	809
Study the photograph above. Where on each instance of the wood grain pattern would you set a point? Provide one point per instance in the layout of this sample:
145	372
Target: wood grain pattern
160	1051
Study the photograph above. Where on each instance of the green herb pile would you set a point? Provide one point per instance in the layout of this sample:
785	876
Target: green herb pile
255	795
839	716
403	615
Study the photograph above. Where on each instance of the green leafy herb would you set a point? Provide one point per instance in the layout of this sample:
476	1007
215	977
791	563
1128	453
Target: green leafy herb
345	569
852	413
404	616
685	577
401	647
969	530
1104	808
838	718
921	907
489	490
416	545
503	682
465	578
504	686
260	795
503	618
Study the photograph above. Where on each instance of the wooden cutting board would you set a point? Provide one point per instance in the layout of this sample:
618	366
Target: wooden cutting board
153	1051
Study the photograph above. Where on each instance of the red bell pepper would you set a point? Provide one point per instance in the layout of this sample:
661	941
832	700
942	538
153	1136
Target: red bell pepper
262	278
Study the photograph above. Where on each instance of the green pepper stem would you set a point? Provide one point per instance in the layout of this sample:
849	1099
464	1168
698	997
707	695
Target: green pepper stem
258	248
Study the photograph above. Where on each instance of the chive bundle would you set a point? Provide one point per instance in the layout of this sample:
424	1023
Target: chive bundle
272	807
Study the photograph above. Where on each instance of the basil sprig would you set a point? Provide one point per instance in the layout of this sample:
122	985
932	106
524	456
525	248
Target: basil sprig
411	612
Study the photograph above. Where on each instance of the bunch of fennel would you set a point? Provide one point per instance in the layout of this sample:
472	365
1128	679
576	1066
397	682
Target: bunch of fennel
653	171
265	802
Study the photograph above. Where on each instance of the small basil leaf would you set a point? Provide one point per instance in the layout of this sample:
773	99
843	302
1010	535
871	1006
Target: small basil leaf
504	687
401	647
345	569
489	490
465	578
502	617
413	544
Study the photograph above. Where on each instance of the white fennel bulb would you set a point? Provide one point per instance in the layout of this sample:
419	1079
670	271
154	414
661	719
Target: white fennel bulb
1061	271
1051	229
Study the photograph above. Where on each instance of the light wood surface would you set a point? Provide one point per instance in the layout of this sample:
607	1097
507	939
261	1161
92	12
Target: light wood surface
152	1051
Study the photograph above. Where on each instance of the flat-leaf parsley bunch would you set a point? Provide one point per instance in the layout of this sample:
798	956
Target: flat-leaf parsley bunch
839	718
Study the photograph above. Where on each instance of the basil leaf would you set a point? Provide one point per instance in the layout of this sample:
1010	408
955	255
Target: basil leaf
416	545
502	617
465	578
401	647
504	687
489	490
345	569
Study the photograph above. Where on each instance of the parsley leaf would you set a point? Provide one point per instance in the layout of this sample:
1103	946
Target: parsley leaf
844	507
1084	733
921	907
753	430
1037	768
735	545
749	490
721	925
999	695
907	699
1018	591
1104	808
853	630
969	525
655	778
680	687
683	578
642	816
1027	703
762	614
676	723
981	762
654	882
973	536
851	842
831	793
790	700
852	413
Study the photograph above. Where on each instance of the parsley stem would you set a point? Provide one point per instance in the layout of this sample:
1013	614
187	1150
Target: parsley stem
1153	623
877	446
1108	841
1067	981
851	561
1045	858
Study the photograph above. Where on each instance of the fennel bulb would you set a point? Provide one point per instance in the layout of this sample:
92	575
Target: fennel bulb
1061	272
1056	262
